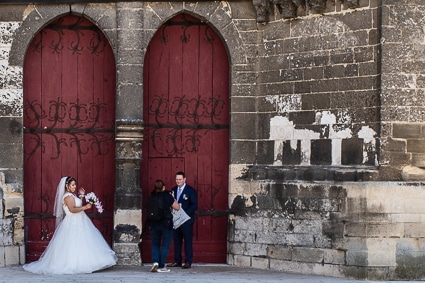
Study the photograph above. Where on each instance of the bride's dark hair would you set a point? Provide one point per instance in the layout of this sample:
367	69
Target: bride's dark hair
69	179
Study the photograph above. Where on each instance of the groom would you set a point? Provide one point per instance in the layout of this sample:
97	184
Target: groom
186	196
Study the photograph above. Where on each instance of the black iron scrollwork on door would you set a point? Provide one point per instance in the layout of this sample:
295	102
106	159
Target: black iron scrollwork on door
96	44
185	23
180	122
73	124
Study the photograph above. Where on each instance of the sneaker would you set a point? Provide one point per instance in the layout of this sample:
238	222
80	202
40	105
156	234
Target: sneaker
154	267
164	269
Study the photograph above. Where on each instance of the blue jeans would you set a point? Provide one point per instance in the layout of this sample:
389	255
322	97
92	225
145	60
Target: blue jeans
160	233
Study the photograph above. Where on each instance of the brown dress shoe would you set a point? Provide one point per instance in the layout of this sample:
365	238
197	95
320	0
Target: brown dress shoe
186	266
174	264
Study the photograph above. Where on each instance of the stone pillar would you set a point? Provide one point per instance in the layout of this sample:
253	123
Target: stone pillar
129	131
128	195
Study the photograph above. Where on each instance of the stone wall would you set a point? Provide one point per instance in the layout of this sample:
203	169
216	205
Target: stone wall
12	245
403	89
326	118
372	231
332	104
315	100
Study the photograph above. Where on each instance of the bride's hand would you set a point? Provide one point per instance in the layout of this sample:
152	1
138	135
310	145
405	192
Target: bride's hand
81	192
88	205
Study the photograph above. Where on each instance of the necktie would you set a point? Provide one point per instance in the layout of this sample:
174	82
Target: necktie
179	191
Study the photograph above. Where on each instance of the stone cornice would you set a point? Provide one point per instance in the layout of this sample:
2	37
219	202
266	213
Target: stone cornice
289	8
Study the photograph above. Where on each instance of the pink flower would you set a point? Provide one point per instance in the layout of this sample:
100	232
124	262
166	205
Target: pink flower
92	198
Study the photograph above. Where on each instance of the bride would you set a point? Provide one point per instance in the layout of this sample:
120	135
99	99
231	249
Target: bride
75	233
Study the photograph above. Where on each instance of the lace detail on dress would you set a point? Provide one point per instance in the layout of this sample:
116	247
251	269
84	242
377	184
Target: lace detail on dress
66	195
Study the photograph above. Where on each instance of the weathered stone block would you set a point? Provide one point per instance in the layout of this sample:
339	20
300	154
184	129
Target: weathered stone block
130	56
367	69
242	152
12	155
352	151
291	152
22	254
394	145
357	258
260	262
314	73
12	129
409	266
334	71
248	130
129	101
403	130
243	104
242	261
334	256
127	200
381	252
414	230
127	254
7	228
316	101
255	250
132	217
321	152
387	230
352	70
418	159
398	159
416	145
307	255
245	236
12	255
245	90
2	258
279	252
237	248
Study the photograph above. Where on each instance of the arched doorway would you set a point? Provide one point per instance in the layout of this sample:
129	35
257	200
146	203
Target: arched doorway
69	116
186	116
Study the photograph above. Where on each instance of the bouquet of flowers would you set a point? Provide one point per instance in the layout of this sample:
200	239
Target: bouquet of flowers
92	198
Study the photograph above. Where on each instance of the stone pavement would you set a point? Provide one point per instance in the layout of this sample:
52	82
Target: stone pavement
207	273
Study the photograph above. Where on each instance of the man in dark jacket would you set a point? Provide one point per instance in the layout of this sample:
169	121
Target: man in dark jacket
187	198
161	228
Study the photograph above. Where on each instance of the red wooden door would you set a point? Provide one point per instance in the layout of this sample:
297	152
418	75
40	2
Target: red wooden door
69	114
186	116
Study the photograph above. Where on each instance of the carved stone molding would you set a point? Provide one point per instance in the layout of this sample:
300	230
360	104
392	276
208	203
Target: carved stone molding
263	10
129	137
351	3
289	8
317	6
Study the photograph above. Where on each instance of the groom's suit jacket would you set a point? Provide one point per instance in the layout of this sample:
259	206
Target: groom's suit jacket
188	200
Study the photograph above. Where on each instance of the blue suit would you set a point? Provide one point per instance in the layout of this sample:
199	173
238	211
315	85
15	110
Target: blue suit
189	203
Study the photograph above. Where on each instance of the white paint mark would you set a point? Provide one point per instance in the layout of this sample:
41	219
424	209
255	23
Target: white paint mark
367	134
336	151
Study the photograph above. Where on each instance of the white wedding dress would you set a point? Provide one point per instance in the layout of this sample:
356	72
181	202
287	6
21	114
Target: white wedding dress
77	246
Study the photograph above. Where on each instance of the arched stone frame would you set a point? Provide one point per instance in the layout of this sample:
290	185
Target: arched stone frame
217	14
41	15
